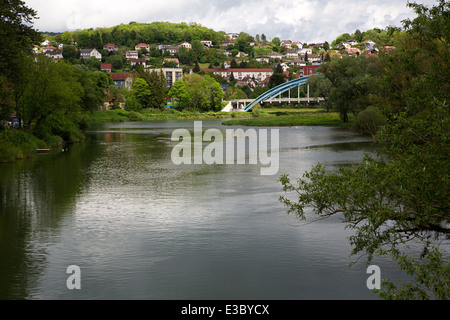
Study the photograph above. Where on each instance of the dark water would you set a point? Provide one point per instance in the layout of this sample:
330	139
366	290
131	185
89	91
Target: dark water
140	227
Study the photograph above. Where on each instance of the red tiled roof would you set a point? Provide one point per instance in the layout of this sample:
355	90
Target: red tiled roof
105	66
142	45
120	76
110	45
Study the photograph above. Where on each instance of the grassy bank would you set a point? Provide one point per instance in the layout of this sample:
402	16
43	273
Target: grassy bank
281	116
152	114
16	144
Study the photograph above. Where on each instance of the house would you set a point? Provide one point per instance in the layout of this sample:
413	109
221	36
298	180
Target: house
389	49
46	43
275	55
352	42
87	53
185	44
296	62
132	54
142	61
262	59
291	54
227	43
314	58
142	46
227	64
110	47
299	45
172	49
335	54
247	81
308	70
175	60
106	67
122	80
305	50
207	43
353	51
163	46
54	54
241	73
371	50
369	43
232	35
286	44
48	48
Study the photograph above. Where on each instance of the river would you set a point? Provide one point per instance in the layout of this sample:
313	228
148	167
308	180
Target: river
141	227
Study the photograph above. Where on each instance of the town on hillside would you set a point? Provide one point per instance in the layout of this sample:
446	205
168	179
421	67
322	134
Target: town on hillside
239	60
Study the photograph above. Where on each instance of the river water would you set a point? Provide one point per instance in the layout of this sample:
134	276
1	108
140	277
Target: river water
140	227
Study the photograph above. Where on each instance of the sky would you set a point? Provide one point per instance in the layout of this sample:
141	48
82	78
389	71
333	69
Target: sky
296	20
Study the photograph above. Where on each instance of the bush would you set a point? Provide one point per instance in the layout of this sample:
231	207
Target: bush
369	121
18	145
134	116
256	110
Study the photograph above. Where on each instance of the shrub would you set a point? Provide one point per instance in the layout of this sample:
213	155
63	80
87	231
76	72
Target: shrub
369	121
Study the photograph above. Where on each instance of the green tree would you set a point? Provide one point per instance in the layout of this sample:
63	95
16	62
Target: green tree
277	78
70	53
141	92
214	94
180	93
16	32
276	41
67	38
93	63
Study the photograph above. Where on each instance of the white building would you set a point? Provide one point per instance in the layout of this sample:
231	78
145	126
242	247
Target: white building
87	53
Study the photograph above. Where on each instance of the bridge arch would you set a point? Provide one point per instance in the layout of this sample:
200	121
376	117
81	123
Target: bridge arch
276	91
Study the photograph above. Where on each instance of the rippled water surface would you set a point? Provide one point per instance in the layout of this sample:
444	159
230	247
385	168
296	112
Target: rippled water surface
141	227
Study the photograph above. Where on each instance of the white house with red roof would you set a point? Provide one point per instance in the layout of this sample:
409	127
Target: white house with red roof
142	46
110	47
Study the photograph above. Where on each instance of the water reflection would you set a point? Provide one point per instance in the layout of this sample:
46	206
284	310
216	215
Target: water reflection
141	227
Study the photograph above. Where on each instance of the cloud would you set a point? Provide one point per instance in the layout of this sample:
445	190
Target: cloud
306	20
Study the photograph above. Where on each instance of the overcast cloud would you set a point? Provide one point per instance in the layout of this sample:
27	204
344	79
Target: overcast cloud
297	20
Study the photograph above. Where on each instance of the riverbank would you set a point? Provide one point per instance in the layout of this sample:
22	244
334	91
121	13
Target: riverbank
267	116
17	144
298	119
120	115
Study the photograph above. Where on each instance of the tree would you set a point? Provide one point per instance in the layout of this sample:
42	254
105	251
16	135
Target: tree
93	63
352	80
398	196
263	38
214	94
277	78
276	41
67	38
70	53
321	86
180	93
141	92
16	32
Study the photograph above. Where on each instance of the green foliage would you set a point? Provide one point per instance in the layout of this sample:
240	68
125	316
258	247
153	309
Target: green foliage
18	145
180	93
398	198
16	32
369	121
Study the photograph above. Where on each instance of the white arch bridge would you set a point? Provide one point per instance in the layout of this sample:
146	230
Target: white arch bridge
273	95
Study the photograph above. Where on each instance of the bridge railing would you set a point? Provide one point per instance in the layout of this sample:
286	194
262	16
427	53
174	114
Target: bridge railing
276	91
